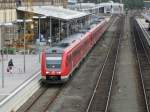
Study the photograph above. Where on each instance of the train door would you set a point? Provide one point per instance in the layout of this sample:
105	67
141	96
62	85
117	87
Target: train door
68	63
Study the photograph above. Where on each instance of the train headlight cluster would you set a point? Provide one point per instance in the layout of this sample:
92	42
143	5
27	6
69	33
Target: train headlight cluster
54	73
58	73
47	72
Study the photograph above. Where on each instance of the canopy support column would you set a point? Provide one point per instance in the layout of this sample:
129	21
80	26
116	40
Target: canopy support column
67	28
39	28
59	29
50	31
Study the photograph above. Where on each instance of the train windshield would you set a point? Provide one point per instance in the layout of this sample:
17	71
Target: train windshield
53	62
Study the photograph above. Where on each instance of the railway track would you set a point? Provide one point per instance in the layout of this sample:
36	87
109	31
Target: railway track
44	97
142	55
100	99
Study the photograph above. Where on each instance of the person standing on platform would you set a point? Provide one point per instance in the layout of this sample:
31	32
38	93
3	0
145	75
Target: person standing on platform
10	66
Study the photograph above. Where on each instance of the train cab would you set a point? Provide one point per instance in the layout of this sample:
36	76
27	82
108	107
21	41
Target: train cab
51	64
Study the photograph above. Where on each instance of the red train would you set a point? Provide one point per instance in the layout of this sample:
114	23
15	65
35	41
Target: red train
58	63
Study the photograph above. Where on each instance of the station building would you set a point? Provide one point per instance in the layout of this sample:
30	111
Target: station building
111	7
33	19
108	7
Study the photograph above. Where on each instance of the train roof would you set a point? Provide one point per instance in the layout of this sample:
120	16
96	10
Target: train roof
53	50
71	40
65	43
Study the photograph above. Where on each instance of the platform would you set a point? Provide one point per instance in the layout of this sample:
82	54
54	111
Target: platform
144	27
17	80
143	22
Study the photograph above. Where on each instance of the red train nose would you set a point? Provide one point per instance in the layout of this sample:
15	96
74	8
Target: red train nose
53	73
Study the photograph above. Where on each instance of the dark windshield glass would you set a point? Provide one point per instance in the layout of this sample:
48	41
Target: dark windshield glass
53	62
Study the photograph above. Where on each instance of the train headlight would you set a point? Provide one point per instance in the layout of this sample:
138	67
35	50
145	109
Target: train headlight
47	72
58	73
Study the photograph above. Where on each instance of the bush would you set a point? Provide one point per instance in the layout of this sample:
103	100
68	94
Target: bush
9	50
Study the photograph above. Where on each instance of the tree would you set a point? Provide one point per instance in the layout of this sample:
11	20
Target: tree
133	3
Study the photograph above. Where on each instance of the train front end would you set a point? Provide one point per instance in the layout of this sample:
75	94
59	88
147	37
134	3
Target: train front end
51	65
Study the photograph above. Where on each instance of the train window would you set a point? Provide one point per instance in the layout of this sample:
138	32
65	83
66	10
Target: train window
53	55
53	62
54	51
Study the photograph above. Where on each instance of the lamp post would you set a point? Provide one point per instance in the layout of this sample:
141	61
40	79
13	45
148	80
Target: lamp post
2	68
24	42
120	1
9	24
39	28
67	28
50	31
24	21
39	24
2	65
2	55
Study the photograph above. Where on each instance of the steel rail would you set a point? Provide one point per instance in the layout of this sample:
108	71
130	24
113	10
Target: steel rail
42	93
139	65
114	70
103	67
53	99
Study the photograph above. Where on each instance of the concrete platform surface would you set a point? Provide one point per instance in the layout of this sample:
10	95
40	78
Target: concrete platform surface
13	80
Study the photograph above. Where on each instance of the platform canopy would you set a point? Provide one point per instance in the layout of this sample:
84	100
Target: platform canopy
55	12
